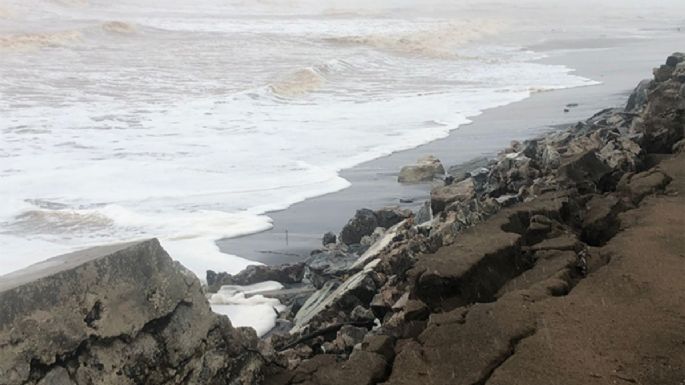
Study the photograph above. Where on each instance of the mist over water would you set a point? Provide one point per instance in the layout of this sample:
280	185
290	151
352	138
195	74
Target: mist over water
189	120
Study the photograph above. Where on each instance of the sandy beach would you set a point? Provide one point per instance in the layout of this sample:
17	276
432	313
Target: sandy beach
616	63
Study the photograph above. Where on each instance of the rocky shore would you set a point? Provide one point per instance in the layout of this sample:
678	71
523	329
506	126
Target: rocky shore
560	261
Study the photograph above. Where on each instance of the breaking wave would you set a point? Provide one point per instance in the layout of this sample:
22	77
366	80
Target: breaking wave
60	221
298	83
119	27
437	42
39	40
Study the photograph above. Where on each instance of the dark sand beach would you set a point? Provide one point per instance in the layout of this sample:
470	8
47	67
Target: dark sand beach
613	62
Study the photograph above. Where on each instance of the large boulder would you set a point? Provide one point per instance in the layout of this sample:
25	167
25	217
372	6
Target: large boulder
120	314
424	170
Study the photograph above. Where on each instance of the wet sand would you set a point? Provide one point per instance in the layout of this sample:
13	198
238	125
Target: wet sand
615	63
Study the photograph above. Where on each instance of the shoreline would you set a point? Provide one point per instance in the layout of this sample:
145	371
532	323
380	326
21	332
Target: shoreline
374	185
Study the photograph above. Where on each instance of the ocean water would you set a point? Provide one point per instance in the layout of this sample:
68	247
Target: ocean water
190	120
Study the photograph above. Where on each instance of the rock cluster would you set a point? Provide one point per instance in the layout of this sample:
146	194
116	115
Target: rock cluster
524	227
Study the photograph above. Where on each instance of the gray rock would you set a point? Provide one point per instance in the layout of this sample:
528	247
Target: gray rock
663	73
286	274
441	197
622	154
424	170
333	297
360	314
675	59
585	171
349	335
638	98
390	216
363	223
424	214
126	307
329	238
327	264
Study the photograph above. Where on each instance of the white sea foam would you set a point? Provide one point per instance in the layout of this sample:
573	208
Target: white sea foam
246	307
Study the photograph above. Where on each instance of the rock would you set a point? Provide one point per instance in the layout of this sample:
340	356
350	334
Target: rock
424	214
441	197
363	368
622	154
57	376
638	186
585	171
333	298
464	170
380	344
285	274
400	304
126	306
600	220
369	240
675	59
329	238
349	335
362	314
326	264
424	170
661	124
416	310
507	200
638	98
663	73
679	147
390	216
363	223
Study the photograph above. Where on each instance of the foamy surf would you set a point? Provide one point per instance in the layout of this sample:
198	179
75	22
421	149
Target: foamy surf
191	125
24	41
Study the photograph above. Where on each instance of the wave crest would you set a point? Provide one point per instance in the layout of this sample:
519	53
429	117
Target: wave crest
438	42
59	222
119	27
298	83
39	40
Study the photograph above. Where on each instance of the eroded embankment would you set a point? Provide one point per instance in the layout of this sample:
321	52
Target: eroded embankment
558	261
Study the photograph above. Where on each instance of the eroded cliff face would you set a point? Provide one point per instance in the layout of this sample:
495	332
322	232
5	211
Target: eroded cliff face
121	314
